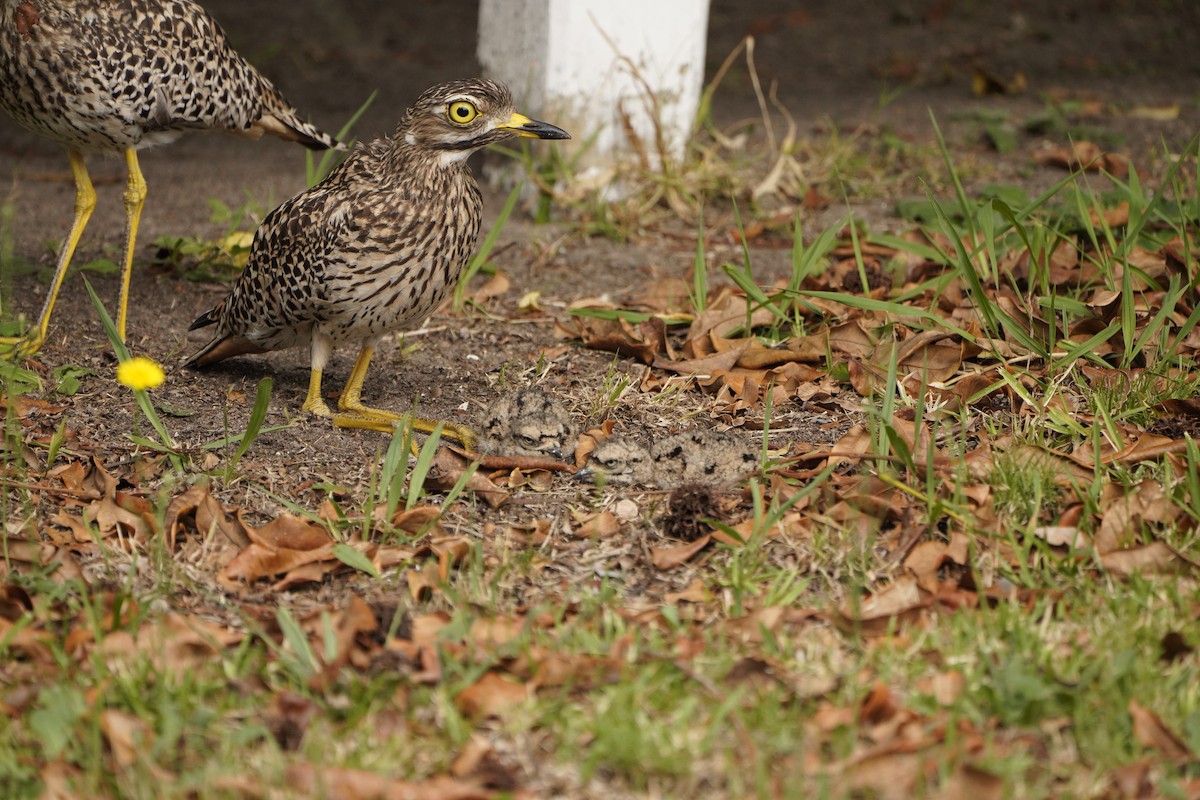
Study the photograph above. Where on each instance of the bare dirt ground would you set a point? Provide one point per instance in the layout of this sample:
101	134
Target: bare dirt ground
835	71
869	68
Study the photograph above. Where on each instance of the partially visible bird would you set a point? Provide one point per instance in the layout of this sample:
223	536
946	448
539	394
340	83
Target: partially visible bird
530	422
374	248
704	458
115	76
622	460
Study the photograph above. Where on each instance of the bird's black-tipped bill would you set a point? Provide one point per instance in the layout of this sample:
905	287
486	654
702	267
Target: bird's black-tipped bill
522	125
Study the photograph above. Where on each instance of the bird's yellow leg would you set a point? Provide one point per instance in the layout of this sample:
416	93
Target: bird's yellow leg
314	403
135	198
85	203
356	415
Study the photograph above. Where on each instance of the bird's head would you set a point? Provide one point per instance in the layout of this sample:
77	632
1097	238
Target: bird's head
455	119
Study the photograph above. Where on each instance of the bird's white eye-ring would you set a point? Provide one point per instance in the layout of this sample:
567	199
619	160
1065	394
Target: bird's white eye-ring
462	112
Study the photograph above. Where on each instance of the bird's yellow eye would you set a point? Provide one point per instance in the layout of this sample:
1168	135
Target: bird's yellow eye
462	112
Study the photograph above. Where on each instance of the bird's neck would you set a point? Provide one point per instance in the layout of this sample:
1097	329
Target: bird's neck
436	165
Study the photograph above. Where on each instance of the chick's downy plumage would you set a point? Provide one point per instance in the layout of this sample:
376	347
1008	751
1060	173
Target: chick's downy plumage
375	247
530	422
698	457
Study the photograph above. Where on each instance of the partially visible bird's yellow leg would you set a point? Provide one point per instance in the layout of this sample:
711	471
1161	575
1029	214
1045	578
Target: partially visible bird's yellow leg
135	199
85	203
314	403
357	415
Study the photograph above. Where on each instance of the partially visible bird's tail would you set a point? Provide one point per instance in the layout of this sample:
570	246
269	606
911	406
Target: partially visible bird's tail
285	122
221	347
281	118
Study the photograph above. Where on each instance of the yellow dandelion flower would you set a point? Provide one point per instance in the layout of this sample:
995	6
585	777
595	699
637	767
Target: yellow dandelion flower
140	373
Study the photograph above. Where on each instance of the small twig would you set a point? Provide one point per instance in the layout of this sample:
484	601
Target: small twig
41	487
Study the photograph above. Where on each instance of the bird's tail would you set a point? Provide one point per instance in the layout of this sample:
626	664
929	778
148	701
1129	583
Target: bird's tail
284	121
281	118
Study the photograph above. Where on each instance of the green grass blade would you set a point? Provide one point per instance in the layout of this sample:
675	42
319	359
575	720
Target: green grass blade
480	258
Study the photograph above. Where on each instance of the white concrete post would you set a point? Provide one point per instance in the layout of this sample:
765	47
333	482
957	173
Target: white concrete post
595	66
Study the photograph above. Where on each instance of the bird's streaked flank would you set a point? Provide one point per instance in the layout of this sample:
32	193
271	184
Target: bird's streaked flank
375	247
115	76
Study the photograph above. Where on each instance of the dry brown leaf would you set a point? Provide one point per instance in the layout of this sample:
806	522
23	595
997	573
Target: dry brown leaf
985	82
424	582
261	561
348	624
926	558
113	519
886	774
1111	217
448	466
288	717
289	532
753	627
696	592
309	780
1155	557
416	520
480	763
705	365
1122	519
666	558
973	782
588	440
1084	155
643	341
208	515
450	551
1152	732
126	735
664	295
59	780
311	572
932	355
946	687
24	406
496	285
595	525
1068	536
855	338
27	641
174	642
488	634
724	313
895	600
491	696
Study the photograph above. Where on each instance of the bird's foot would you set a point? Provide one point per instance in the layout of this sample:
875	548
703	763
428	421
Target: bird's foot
373	419
14	347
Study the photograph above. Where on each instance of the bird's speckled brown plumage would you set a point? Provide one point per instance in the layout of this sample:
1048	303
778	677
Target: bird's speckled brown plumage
106	75
115	76
375	247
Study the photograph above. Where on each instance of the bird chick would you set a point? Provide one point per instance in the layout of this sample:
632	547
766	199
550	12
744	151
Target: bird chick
623	461
100	76
530	422
704	458
375	247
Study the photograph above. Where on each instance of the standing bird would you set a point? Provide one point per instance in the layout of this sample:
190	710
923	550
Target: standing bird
373	248
114	76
